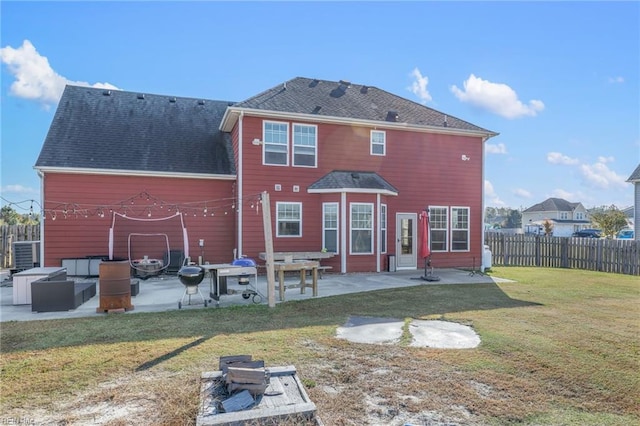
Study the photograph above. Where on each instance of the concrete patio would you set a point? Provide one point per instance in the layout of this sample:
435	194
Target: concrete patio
162	293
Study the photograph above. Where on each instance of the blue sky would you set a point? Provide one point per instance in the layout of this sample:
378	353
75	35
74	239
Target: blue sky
557	80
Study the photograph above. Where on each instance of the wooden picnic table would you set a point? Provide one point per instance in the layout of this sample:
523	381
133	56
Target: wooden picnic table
303	266
290	256
280	256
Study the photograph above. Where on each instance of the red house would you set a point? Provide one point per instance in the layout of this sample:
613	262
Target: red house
348	169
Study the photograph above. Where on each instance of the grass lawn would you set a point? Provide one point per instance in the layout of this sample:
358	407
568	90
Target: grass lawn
559	347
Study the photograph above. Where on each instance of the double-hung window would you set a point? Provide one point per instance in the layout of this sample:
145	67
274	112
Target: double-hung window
330	227
438	223
305	145
289	219
276	143
459	228
361	228
383	228
378	142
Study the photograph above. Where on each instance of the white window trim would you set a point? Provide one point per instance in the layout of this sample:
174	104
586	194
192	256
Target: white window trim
278	204
337	228
446	230
384	143
351	229
468	229
264	144
383	229
293	145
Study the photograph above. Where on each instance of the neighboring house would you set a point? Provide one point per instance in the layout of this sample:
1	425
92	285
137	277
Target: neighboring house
566	217
348	168
635	180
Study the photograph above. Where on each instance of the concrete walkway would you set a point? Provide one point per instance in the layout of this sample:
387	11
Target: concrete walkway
163	293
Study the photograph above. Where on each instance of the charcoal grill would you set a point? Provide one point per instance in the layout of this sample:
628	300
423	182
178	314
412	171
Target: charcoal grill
191	276
245	279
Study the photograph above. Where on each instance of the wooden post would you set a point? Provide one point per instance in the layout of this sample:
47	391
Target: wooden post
268	245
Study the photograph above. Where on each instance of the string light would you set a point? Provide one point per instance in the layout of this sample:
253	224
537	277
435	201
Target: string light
138	205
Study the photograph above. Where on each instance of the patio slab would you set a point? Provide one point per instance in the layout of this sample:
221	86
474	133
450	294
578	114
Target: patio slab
163	293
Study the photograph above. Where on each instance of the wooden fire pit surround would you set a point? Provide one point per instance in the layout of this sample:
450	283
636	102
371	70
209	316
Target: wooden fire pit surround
243	390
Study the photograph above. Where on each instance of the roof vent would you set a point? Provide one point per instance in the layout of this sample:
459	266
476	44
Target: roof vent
201	102
364	89
106	92
445	121
345	83
314	83
172	100
392	116
355	175
316	109
140	95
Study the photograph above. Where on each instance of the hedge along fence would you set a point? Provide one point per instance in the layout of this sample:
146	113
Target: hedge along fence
10	234
617	256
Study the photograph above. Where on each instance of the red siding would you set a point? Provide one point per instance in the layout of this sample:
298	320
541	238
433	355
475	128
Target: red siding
84	233
427	169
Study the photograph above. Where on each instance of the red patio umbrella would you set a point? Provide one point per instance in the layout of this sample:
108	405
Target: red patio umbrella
424	250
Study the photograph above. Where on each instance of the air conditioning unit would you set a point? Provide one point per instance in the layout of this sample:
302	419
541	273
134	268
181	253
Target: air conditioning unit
26	255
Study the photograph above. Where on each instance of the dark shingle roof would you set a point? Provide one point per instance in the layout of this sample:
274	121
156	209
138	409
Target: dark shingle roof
351	101
354	180
635	176
118	130
553	205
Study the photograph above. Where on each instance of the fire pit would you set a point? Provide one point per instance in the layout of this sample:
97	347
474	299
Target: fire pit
191	276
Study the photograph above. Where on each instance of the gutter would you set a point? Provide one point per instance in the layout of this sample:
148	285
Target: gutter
119	172
228	121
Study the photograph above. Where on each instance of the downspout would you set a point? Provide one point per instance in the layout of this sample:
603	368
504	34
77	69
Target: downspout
240	179
482	265
343	239
42	217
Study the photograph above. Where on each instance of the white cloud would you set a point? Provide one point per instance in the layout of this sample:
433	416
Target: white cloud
522	193
565	195
17	189
617	79
491	198
608	159
496	97
598	175
34	77
419	86
559	158
495	149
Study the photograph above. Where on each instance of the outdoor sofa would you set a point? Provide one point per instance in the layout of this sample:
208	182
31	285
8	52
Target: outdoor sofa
57	293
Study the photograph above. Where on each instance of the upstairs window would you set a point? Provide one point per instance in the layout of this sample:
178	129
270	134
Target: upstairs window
305	145
459	228
378	142
289	219
276	143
